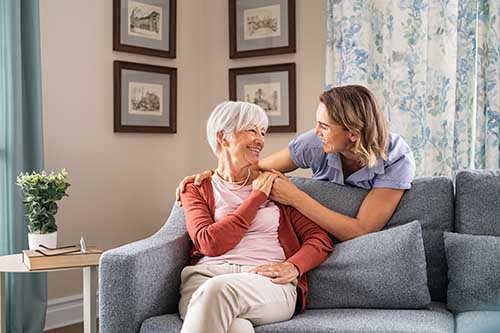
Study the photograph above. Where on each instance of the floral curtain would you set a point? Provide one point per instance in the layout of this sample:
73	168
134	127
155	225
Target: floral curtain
487	149
434	68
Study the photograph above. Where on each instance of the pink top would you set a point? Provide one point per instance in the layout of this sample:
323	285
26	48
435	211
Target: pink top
260	243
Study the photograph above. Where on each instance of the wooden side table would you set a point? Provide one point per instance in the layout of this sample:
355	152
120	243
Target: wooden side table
14	264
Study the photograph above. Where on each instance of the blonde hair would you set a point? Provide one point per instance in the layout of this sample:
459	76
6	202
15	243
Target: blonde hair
356	109
229	117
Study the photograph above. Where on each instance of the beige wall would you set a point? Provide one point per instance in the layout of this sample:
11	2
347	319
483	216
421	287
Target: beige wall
309	59
123	183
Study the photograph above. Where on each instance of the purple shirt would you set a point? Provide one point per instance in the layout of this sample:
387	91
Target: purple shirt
396	172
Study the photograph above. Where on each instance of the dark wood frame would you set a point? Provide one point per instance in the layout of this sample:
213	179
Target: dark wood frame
118	46
292	102
234	53
118	127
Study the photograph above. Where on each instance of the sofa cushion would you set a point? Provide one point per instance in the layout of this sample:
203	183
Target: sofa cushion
478	321
434	319
477	203
169	323
473	271
430	201
384	269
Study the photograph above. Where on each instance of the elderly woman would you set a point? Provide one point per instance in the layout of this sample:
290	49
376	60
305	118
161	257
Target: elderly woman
249	255
350	144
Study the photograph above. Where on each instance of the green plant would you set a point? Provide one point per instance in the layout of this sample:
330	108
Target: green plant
41	191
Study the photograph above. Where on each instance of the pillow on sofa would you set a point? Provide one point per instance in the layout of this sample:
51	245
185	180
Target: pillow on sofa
385	269
473	272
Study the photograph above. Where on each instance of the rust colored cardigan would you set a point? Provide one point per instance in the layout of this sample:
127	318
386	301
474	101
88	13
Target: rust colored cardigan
305	244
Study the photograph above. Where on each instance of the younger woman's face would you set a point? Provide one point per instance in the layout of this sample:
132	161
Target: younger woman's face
335	138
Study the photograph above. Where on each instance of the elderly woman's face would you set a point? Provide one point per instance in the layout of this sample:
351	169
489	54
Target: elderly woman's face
245	146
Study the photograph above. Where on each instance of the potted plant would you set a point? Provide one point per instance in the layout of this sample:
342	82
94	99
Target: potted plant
41	193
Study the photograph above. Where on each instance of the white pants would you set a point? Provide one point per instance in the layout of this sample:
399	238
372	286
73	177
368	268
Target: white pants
226	298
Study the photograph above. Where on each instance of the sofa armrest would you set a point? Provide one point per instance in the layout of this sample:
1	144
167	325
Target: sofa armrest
141	280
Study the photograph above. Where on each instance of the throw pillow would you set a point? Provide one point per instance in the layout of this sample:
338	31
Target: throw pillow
385	269
473	272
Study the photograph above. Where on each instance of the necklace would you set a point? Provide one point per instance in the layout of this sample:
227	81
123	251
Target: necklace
240	183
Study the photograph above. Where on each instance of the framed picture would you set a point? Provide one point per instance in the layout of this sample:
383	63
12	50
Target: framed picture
145	98
272	87
261	27
145	27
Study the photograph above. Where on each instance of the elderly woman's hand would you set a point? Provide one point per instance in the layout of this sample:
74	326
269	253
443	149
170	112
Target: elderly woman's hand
284	191
264	182
279	272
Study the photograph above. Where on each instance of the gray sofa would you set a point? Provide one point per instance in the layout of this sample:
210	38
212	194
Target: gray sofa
366	285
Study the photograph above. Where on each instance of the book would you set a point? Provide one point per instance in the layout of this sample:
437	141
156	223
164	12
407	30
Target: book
47	251
66	257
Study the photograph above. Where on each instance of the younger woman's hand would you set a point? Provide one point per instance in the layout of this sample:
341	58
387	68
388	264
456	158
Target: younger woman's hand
197	179
284	191
279	272
264	182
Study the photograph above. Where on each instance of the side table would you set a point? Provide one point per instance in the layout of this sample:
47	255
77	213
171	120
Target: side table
14	264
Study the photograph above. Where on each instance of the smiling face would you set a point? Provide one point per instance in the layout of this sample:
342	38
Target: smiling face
335	138
243	147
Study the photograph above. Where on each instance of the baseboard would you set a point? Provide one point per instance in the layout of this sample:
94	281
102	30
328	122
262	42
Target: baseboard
65	311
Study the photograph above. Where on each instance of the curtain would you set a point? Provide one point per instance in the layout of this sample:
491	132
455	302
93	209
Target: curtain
487	148
21	149
434	68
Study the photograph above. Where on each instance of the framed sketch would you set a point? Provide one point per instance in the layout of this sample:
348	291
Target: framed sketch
145	98
272	87
261	27
145	27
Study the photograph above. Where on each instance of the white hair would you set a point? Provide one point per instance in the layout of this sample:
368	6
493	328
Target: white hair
229	117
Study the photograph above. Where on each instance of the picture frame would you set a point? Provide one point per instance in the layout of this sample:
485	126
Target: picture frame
145	98
145	27
272	87
261	27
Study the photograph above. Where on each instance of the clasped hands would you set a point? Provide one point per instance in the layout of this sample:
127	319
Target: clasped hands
282	191
273	183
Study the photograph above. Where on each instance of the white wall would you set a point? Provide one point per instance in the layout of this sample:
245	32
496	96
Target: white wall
123	183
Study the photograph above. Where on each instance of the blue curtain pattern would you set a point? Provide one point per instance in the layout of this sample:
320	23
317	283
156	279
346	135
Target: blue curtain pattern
434	68
487	147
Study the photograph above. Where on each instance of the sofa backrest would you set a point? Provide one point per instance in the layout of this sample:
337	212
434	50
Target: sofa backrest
176	223
477	202
430	201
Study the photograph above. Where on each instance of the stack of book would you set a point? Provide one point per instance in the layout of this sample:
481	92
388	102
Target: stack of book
65	257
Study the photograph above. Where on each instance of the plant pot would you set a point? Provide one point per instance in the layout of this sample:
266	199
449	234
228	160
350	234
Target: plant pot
48	240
